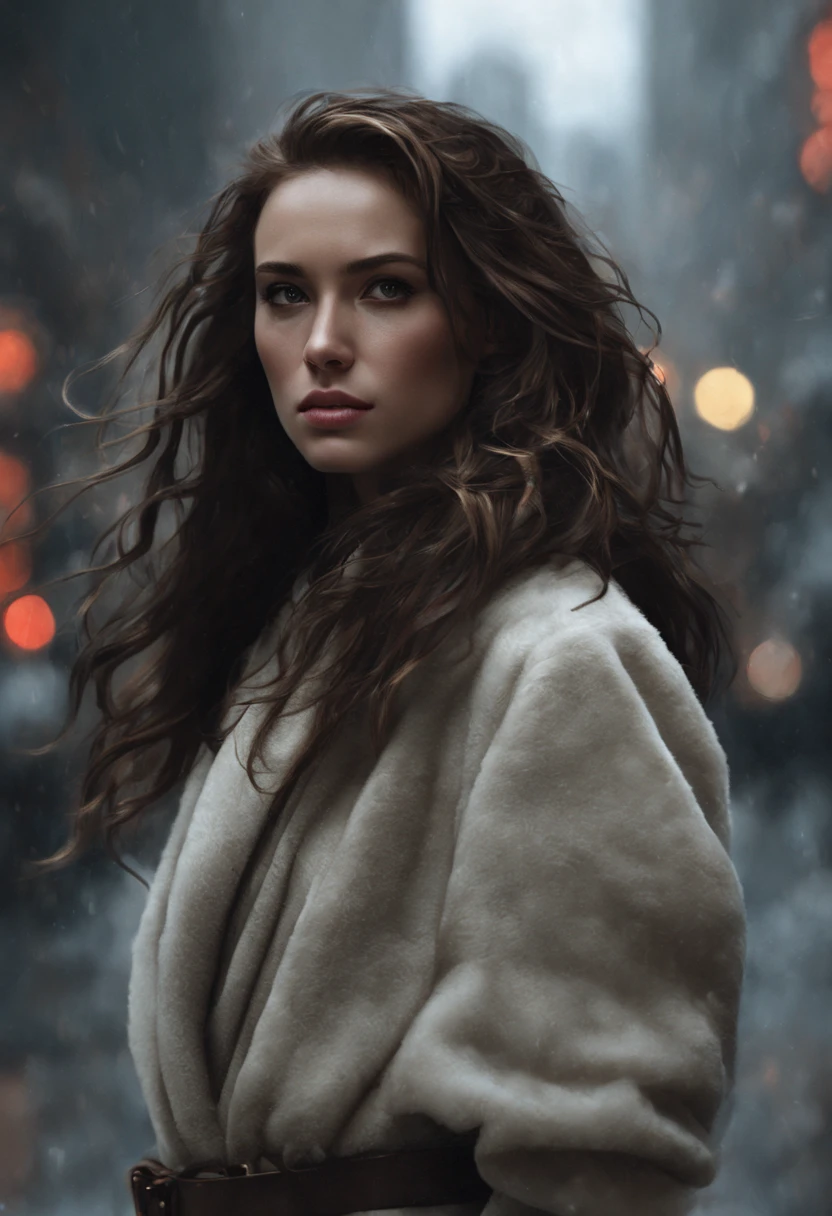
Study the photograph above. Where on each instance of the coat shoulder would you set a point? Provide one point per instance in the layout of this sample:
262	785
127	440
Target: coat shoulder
539	611
549	620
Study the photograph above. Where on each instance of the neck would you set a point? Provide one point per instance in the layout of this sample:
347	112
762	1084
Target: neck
342	497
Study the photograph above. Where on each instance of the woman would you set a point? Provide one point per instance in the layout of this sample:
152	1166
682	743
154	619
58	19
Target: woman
476	900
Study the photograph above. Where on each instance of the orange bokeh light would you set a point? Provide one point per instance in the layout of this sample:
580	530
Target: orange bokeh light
816	153
15	566
816	159
665	371
822	106
29	622
14	486
14	480
18	360
820	54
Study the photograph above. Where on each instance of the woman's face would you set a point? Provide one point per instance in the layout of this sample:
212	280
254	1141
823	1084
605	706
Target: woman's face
328	319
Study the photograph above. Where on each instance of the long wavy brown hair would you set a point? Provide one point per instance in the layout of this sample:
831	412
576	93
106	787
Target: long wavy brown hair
567	445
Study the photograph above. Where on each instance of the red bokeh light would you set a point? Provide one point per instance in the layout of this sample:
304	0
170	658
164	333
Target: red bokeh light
14	480
822	106
816	159
816	153
820	54
18	360
29	623
15	566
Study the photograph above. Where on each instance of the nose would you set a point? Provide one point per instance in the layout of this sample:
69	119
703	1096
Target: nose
329	344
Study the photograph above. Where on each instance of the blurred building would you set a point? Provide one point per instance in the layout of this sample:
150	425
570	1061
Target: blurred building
584	162
271	50
118	122
736	252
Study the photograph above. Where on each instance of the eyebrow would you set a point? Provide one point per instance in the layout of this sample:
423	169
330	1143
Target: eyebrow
378	259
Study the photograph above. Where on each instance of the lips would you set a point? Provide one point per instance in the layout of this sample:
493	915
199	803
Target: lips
325	398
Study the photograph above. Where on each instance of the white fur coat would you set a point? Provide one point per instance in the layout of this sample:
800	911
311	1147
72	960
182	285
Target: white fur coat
521	923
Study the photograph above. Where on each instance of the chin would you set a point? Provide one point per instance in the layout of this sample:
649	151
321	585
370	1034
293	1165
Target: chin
346	467
342	462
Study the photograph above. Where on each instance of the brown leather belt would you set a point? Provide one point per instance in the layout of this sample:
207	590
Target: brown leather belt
336	1187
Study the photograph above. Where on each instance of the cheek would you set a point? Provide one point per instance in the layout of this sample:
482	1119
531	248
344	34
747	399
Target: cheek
273	354
425	350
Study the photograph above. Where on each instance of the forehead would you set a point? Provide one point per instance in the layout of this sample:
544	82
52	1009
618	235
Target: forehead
338	210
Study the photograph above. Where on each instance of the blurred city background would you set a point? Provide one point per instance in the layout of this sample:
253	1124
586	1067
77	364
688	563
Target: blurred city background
696	139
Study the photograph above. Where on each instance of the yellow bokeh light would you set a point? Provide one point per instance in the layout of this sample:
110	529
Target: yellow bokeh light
724	398
774	669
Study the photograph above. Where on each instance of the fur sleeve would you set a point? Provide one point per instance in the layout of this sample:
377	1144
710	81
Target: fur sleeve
590	954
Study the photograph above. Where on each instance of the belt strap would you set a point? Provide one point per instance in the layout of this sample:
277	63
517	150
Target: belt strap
336	1187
